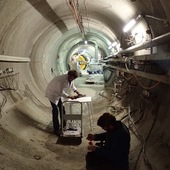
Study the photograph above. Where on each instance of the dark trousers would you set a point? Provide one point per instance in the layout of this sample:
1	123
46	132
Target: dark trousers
95	162
56	124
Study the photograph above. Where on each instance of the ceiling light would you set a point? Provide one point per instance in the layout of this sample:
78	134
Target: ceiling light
129	25
85	42
112	45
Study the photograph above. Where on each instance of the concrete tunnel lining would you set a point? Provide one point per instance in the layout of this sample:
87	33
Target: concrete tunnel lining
28	31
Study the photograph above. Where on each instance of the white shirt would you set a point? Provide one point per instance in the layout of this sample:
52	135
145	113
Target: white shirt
58	88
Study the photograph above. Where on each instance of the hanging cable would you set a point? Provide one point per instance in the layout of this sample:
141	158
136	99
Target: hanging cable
87	14
77	15
148	87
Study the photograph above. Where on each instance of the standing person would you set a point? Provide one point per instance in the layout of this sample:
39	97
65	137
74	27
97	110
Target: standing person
112	153
56	89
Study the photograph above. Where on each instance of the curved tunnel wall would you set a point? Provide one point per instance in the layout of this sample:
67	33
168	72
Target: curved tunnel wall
28	31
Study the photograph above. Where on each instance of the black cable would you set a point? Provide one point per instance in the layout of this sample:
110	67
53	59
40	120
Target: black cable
146	161
153	124
141	111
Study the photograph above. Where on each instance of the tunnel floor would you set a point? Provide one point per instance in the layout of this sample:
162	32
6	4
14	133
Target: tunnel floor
40	149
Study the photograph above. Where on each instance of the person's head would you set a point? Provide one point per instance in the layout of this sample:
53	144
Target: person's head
72	74
107	121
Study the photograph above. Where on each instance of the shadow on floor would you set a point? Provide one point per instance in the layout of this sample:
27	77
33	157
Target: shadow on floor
69	140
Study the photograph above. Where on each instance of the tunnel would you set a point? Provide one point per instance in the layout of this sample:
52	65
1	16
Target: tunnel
120	49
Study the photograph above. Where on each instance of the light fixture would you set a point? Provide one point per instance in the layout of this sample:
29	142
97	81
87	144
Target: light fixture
82	52
85	42
129	25
112	45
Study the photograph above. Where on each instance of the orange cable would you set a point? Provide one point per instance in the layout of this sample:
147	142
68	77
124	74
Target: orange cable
148	88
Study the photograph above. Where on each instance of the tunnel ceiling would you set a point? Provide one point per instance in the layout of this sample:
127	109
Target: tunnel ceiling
32	19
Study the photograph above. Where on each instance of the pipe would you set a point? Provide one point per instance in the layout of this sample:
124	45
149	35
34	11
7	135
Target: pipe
159	78
14	59
151	43
96	53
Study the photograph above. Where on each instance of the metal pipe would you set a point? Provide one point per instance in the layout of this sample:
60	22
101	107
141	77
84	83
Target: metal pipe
159	78
151	43
14	59
96	53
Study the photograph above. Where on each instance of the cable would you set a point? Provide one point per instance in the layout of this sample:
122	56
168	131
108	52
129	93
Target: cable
143	149
126	64
146	139
141	111
2	104
4	100
141	138
151	86
128	78
76	13
87	14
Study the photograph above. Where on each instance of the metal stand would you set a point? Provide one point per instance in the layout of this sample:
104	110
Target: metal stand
73	119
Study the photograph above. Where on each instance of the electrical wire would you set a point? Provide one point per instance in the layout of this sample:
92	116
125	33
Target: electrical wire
2	104
32	95
100	93
4	100
87	14
140	136
76	13
141	111
128	78
144	141
147	138
126	64
9	82
151	86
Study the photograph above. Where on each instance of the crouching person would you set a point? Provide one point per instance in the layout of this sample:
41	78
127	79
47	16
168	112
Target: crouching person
112	152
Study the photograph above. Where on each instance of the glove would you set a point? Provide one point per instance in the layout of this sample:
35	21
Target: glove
91	147
90	137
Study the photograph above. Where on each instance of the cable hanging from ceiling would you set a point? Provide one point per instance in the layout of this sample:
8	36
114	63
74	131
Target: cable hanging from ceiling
85	6
74	7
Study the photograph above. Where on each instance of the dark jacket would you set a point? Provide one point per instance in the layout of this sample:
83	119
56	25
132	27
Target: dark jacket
117	145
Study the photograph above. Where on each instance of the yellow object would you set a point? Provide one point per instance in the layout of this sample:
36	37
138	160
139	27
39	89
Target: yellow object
81	61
